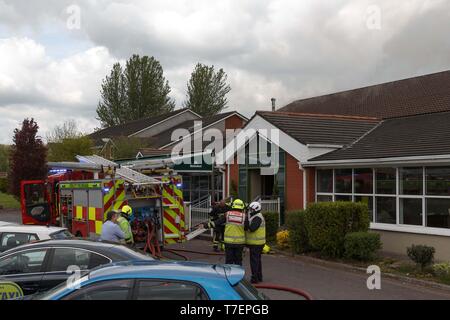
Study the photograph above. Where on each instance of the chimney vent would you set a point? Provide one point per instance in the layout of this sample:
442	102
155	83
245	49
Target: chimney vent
273	103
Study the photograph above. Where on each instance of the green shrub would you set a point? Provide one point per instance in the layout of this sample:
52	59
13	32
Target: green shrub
4	185
271	219
421	254
298	236
442	270
361	245
327	223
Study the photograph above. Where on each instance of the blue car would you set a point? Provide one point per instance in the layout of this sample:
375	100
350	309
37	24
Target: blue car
158	280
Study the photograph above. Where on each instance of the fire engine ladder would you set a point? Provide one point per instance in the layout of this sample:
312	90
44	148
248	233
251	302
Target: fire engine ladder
125	173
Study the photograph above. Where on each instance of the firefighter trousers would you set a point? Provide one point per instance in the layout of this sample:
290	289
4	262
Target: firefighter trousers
255	262
233	253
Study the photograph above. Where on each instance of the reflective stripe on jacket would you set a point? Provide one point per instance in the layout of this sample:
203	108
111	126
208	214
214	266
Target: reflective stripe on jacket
126	228
258	237
234	228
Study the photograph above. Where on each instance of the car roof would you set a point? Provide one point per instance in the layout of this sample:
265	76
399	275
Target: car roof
6	223
29	228
169	269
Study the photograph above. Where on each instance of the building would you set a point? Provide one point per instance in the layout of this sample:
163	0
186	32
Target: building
200	179
386	145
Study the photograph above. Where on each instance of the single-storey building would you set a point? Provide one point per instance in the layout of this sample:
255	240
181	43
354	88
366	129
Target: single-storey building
387	146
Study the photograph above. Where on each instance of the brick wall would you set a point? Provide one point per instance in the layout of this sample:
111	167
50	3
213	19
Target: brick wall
294	184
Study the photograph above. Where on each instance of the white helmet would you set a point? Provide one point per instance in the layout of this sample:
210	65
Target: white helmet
255	207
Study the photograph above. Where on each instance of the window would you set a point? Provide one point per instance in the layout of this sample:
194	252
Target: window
343	180
23	262
368	200
61	235
438	181
11	240
166	290
85	260
340	197
386	210
325	181
248	292
411	211
438	213
411	181
105	290
324	198
363	180
385	180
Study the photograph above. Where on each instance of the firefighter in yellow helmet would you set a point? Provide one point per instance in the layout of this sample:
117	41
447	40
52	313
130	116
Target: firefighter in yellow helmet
234	235
255	238
124	224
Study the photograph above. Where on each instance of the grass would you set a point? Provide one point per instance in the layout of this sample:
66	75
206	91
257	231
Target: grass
8	202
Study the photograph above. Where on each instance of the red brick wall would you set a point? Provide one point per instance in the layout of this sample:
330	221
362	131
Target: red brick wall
234	176
311	183
234	122
294	184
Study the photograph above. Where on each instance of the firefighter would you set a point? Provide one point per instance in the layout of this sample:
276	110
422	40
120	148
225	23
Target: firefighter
124	224
255	239
217	213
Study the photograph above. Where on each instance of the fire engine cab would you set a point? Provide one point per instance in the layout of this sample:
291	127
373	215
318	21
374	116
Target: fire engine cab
77	195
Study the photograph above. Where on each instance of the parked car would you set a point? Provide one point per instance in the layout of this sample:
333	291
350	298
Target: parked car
43	265
13	235
158	280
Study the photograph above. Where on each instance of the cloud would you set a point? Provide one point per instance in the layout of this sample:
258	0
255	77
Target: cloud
269	48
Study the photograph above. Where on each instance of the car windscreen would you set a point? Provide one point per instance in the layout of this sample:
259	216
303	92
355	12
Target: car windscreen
248	292
61	235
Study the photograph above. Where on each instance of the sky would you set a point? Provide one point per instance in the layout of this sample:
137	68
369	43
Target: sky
55	53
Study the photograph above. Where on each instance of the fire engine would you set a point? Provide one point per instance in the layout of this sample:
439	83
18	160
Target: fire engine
77	195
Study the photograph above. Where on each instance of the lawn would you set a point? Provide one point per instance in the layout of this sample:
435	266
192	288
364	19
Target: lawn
8	202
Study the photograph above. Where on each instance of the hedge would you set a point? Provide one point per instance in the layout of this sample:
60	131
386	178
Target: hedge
421	254
327	224
298	236
361	245
272	220
4	185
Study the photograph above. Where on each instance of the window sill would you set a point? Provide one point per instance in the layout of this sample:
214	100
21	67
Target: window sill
411	229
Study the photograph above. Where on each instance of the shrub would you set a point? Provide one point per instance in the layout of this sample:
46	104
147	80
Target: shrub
361	245
327	223
283	239
442	270
298	236
421	254
271	219
4	185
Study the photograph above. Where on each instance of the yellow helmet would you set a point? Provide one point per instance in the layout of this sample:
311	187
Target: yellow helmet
266	249
238	204
127	210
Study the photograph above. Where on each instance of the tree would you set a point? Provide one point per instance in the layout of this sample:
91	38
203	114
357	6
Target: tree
140	90
126	148
4	155
65	142
207	90
27	157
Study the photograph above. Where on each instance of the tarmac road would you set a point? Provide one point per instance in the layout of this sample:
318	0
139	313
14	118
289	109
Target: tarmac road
322	282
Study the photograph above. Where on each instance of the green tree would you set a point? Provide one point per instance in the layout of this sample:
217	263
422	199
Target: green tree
126	148
140	90
27	157
65	142
4	155
207	90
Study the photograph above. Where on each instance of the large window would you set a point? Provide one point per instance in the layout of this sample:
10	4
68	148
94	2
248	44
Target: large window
408	196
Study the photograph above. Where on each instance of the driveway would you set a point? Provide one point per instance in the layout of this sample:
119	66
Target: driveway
322	282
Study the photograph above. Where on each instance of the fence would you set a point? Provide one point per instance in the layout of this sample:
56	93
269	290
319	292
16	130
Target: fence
272	206
199	211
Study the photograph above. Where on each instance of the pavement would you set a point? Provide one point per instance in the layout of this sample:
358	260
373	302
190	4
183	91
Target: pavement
10	215
322	282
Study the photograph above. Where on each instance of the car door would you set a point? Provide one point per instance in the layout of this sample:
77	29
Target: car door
25	268
67	261
159	289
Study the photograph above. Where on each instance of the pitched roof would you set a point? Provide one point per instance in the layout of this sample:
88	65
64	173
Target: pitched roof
420	135
131	127
164	138
419	95
320	129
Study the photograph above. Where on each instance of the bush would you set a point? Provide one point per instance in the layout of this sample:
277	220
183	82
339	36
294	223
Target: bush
327	223
283	239
361	245
298	236
271	219
442	270
421	254
4	185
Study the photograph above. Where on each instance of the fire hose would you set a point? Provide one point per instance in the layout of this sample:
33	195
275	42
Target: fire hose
269	286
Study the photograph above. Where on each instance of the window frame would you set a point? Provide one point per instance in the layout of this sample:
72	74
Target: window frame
194	284
94	284
52	255
44	265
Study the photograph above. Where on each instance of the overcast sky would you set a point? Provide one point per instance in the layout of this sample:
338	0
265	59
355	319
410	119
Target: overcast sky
52	63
